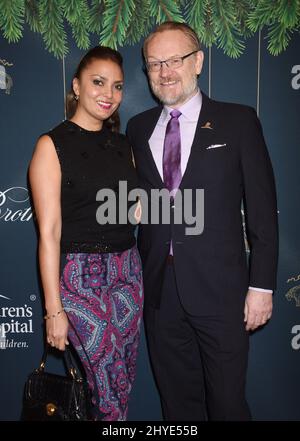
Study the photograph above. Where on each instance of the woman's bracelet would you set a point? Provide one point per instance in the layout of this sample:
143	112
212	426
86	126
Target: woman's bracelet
48	316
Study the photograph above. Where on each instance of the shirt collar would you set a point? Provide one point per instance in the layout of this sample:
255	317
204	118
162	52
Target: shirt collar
190	110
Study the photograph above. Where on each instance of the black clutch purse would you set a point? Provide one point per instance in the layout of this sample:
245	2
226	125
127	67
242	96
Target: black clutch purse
52	397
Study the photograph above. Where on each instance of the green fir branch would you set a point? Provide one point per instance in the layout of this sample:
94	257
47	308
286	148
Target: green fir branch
32	15
286	20
165	10
116	17
209	36
288	13
183	3
96	16
196	16
243	9
199	16
53	33
71	9
226	28
118	22
279	36
263	14
77	14
140	24
12	19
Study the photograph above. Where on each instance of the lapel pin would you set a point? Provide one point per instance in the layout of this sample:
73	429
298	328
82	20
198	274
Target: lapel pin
207	125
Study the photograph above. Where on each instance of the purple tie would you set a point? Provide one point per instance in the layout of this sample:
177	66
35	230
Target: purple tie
172	154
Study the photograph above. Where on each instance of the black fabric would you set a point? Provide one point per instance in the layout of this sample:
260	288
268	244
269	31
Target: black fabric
199	362
91	161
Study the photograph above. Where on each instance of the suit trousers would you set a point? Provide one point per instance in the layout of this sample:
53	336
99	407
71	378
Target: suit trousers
199	362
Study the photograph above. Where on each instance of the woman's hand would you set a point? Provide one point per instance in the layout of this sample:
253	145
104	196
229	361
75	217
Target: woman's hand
57	331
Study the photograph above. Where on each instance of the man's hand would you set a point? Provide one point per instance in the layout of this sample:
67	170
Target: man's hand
258	308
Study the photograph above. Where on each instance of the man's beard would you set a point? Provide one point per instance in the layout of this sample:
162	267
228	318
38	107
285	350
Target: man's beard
171	100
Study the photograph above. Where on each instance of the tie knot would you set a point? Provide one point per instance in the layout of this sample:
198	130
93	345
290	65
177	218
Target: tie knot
175	113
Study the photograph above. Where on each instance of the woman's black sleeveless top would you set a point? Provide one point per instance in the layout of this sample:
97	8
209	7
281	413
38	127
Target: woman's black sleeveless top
91	161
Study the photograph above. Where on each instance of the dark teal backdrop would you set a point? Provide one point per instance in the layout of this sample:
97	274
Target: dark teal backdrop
32	88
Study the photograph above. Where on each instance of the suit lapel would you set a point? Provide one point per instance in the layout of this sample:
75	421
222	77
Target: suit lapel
204	135
150	126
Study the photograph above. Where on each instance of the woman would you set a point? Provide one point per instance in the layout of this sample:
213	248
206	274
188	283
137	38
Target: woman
91	271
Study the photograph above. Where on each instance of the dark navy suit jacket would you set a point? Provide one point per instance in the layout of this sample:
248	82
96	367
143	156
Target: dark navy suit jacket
212	270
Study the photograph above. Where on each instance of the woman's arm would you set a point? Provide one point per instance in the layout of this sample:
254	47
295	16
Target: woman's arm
45	180
138	210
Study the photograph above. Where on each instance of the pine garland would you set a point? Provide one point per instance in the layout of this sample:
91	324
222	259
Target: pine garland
140	25
116	17
12	19
279	37
198	16
209	37
243	9
54	36
288	12
96	16
76	13
227	27
32	15
163	10
226	24
262	14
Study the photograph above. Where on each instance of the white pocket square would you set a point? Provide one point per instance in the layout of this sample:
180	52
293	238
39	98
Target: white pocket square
215	146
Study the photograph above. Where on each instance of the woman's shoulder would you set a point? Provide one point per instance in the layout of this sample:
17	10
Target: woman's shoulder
54	131
54	137
61	128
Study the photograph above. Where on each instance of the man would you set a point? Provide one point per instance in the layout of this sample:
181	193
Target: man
201	297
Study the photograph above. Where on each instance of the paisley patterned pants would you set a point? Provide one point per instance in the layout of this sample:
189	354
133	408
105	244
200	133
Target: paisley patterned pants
103	297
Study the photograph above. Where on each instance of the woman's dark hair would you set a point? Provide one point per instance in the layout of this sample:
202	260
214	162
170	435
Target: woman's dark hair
97	53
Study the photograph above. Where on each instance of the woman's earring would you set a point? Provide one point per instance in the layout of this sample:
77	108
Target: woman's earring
76	97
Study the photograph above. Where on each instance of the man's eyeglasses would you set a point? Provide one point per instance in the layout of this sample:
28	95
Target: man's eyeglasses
171	63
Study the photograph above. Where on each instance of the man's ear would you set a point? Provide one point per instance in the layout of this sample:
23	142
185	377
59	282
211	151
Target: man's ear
199	61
